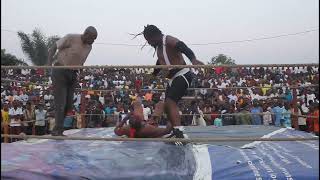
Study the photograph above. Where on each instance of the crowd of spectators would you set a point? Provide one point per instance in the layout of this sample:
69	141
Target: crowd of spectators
103	97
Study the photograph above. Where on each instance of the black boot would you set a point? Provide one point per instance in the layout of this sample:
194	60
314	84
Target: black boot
177	133
57	133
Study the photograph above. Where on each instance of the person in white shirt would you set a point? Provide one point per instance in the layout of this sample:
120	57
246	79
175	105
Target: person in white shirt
302	110
15	115
3	92
77	100
310	97
101	99
48	96
24	98
233	97
40	124
224	84
105	83
203	93
146	112
16	97
267	116
25	71
163	96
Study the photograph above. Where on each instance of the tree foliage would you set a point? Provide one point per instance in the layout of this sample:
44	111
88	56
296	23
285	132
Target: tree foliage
8	59
222	59
36	45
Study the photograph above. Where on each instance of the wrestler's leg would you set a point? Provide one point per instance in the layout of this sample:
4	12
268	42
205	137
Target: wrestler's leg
138	110
124	130
173	95
149	131
158	111
172	110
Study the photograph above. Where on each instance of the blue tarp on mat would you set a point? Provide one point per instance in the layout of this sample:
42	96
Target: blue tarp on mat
268	160
51	159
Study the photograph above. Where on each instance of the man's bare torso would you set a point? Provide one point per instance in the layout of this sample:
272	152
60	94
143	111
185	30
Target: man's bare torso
174	56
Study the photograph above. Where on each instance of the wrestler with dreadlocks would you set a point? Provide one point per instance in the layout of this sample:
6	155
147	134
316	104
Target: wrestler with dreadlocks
169	51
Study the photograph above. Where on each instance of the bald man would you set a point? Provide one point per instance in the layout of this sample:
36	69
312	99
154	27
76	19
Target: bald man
71	50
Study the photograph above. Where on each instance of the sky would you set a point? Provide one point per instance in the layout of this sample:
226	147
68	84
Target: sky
203	21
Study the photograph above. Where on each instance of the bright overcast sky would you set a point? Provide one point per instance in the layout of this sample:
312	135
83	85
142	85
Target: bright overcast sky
205	21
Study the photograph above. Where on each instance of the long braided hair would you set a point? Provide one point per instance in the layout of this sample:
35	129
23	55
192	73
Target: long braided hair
148	32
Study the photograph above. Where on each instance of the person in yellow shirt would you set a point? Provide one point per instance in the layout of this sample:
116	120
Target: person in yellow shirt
5	121
265	88
5	114
133	97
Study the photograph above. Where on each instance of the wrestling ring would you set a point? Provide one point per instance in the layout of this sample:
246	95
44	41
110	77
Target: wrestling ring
226	152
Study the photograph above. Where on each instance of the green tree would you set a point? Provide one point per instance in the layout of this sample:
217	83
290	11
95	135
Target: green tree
222	59
36	46
8	59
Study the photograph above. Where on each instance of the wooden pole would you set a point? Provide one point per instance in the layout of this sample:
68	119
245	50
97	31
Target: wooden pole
82	108
33	129
294	118
6	131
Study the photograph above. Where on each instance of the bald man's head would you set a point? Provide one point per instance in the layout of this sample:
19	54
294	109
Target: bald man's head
89	35
91	30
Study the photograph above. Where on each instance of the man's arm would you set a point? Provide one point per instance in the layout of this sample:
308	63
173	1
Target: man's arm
183	48
156	70
120	129
58	45
51	53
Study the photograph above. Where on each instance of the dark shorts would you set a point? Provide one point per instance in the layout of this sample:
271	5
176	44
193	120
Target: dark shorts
179	87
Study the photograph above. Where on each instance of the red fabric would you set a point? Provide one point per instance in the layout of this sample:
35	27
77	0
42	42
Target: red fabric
218	70
316	121
40	72
132	133
214	115
138	84
119	131
309	121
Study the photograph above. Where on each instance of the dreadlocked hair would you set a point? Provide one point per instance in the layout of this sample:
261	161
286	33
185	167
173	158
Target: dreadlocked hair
149	31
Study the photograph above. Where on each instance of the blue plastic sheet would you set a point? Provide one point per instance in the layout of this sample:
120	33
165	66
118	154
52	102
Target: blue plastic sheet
51	159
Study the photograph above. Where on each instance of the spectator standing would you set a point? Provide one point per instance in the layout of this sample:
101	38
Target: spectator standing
28	116
15	115
146	111
277	110
41	115
287	115
267	116
69	120
244	118
256	113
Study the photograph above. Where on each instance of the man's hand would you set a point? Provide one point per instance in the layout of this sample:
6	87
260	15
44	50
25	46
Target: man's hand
156	70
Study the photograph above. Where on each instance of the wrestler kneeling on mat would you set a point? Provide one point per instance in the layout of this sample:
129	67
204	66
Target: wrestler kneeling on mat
138	127
169	52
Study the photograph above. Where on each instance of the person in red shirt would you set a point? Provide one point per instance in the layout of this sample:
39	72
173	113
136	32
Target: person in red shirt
309	120
218	70
315	118
138	84
214	115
